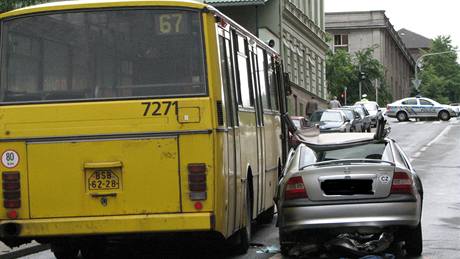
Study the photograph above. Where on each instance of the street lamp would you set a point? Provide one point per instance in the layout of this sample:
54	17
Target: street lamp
416	80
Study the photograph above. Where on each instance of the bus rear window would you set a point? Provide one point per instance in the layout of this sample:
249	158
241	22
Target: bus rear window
102	55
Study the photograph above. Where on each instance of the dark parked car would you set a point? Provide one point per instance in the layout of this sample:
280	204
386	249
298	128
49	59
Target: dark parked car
331	121
350	183
367	118
358	123
373	109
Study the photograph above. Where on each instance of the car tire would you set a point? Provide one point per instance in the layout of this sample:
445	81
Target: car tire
401	116
285	249
414	241
444	116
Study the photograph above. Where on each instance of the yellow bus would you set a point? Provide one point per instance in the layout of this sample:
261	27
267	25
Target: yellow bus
122	117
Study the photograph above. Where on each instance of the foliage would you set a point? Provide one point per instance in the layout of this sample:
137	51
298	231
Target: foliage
8	5
342	70
440	74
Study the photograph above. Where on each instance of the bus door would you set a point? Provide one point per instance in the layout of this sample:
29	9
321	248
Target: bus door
258	188
231	123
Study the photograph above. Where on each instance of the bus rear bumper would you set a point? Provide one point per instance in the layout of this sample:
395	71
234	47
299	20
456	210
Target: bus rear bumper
106	225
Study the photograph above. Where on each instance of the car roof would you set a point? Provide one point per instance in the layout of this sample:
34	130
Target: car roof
329	141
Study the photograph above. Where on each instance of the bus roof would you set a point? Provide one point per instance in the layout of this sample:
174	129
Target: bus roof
89	4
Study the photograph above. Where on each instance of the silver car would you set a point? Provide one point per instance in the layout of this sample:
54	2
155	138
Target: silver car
419	107
349	183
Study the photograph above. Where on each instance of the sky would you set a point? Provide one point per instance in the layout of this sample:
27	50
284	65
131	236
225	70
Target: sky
428	18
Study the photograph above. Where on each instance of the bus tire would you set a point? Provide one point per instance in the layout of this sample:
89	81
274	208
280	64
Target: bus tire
244	234
267	216
64	250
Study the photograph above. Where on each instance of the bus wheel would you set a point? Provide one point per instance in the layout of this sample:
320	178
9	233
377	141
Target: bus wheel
244	234
267	216
64	250
94	250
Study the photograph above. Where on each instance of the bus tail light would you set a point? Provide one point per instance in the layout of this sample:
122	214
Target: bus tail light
402	183
197	181
295	189
11	190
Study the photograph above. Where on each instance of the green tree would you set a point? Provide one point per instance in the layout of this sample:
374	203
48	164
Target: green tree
8	5
343	70
440	74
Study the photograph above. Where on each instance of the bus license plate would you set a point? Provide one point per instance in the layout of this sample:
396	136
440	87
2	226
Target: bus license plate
103	179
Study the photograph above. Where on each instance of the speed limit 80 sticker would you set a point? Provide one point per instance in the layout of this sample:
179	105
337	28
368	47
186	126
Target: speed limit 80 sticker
10	159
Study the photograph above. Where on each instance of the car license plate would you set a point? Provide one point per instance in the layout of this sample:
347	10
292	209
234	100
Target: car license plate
103	179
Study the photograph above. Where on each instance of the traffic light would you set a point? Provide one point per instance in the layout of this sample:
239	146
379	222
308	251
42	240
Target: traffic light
362	76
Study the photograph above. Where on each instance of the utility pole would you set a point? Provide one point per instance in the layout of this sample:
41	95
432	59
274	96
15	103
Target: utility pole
345	95
360	79
376	90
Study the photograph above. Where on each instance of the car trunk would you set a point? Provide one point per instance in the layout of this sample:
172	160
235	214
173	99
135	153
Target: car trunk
103	177
353	181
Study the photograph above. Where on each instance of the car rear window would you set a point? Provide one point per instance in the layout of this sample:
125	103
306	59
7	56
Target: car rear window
331	116
368	151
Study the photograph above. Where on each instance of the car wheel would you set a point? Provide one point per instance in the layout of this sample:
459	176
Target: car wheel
445	116
414	241
285	249
402	116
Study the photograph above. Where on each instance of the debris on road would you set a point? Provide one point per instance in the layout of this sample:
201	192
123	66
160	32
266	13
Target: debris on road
360	245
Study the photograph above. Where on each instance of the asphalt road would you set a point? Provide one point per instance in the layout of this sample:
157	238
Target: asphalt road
433	148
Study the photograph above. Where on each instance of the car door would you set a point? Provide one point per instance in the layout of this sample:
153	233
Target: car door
410	106
359	124
427	108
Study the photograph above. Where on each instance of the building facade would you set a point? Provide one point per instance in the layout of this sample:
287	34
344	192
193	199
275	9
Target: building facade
415	43
354	31
295	28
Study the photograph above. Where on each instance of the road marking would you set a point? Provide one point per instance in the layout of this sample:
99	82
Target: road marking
416	154
436	122
423	149
404	122
446	129
420	122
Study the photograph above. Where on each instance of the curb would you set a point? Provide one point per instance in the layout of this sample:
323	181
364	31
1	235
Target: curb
25	251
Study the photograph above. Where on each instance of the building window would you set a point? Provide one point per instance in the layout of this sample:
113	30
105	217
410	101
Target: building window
302	69
341	42
294	66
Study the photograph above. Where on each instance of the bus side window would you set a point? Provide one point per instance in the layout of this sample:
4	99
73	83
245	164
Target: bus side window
228	81
242	60
272	81
261	65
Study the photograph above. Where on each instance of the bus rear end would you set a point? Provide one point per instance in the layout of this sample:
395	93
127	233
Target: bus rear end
105	121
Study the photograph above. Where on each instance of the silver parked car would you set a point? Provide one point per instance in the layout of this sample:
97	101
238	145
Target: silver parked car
331	120
419	107
349	183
